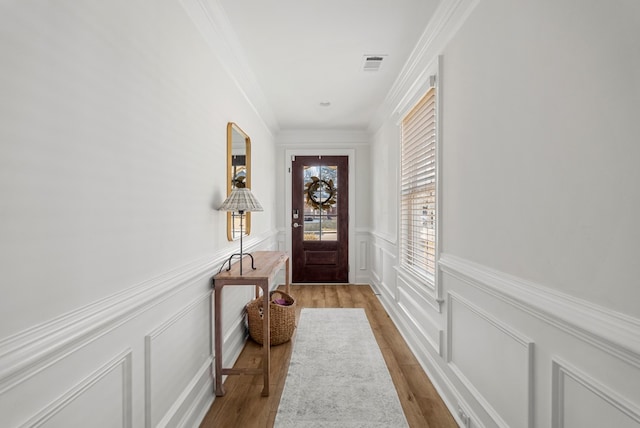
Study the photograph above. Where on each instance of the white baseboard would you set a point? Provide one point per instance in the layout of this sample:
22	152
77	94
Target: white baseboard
439	379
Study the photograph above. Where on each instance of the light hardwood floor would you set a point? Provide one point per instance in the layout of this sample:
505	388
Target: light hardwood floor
243	406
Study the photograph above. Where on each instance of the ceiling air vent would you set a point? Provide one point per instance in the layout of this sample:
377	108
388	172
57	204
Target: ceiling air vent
372	62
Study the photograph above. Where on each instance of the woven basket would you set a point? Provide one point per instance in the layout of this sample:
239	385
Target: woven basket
282	318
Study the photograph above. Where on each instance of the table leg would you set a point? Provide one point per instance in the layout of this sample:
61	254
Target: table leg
266	340
218	332
287	283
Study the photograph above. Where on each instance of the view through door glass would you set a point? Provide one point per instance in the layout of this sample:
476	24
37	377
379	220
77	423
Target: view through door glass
320	219
321	204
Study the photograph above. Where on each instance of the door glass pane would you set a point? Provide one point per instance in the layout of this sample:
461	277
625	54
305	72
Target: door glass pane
321	203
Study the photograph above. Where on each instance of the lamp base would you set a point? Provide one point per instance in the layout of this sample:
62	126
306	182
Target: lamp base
238	255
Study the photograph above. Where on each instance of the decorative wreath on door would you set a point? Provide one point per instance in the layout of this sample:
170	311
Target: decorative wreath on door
321	194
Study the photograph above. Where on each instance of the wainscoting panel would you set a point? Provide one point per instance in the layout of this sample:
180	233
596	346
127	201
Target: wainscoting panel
579	401
377	264
167	372
613	332
383	275
418	288
361	270
103	398
490	350
413	306
363	250
56	372
389	282
493	361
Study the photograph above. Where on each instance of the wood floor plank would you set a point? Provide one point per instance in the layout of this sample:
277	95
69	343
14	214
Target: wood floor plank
345	300
410	404
243	405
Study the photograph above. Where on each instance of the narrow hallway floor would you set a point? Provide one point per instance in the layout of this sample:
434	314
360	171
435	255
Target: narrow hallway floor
243	405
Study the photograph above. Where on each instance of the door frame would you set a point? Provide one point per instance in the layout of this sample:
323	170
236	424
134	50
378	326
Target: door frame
351	154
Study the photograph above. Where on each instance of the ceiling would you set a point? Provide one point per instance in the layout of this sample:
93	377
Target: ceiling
303	53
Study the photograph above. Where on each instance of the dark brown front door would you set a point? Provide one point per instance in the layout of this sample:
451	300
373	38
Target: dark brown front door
320	219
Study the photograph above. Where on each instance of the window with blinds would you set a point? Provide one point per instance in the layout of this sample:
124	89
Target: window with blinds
418	188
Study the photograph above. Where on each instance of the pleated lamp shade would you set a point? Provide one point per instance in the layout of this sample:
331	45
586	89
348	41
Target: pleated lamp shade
241	200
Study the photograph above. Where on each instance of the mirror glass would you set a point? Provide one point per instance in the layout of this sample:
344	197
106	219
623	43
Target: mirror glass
238	175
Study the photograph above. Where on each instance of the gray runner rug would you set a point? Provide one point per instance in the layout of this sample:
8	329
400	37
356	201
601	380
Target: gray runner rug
337	376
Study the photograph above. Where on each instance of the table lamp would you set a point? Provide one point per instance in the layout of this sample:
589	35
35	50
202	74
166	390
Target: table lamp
240	200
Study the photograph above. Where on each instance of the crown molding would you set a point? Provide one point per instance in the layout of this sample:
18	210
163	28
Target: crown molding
325	137
422	62
211	20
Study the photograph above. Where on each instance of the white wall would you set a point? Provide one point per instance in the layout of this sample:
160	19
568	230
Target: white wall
546	162
539	322
112	151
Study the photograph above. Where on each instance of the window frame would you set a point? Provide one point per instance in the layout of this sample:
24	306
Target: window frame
425	282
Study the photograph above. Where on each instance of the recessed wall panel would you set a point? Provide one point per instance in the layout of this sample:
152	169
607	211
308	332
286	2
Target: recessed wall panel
416	311
493	361
175	352
581	401
583	408
103	399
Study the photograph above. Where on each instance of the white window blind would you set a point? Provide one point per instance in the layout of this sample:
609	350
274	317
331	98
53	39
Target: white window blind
418	188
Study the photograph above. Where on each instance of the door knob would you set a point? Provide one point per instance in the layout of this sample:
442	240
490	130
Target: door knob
296	225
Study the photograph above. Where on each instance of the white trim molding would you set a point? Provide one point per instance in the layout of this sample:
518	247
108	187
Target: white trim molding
33	350
382	257
447	20
123	362
325	138
363	251
211	19
561	371
172	412
407	302
613	332
510	333
425	288
388	238
29	352
430	364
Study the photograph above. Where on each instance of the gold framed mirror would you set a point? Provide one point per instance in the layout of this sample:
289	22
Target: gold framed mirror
238	175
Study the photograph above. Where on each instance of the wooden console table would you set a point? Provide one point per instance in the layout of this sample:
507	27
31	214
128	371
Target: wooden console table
267	264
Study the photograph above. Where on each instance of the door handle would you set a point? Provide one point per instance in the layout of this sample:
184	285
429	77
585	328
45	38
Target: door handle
296	225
